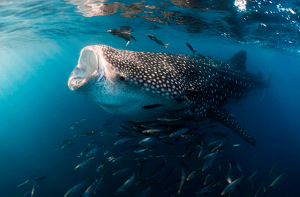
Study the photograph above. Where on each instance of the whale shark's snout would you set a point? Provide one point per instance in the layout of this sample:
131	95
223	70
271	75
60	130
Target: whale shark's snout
89	67
95	78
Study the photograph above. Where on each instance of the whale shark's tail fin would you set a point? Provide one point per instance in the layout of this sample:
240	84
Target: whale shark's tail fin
223	116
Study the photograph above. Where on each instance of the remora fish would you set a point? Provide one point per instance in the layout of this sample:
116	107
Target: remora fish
190	47
121	81
157	40
122	33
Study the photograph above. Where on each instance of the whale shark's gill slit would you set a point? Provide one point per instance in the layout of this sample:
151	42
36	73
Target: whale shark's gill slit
100	70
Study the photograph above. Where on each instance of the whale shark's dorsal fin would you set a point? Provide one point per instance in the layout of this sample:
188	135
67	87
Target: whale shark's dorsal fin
238	61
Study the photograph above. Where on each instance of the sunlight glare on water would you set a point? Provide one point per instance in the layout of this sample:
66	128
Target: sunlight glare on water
241	4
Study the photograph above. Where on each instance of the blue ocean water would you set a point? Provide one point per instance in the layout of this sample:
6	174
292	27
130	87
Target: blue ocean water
40	43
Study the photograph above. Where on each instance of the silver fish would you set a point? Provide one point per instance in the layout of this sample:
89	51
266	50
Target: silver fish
209	177
193	174
93	151
217	147
179	132
214	142
152	130
276	180
121	171
145	192
183	178
229	174
272	169
99	184
84	152
239	167
33	191
23	184
252	175
26	194
147	140
141	150
77	187
209	162
209	155
122	141
82	164
125	186
90	189
231	185
200	152
204	190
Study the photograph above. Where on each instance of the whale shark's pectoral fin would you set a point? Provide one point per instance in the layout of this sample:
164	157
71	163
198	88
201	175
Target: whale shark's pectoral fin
223	116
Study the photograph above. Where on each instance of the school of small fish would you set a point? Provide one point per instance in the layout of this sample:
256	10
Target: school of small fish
151	146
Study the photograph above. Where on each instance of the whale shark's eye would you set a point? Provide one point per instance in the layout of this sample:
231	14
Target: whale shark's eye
122	78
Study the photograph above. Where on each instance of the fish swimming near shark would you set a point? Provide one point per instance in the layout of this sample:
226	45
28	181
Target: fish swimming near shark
122	81
123	33
157	40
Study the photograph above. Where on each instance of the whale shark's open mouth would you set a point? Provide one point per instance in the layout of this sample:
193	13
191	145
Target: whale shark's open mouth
89	66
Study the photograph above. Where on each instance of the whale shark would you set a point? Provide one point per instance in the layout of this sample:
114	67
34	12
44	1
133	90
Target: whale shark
123	81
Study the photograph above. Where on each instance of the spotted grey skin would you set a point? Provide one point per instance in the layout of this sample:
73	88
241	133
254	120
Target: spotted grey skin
123	81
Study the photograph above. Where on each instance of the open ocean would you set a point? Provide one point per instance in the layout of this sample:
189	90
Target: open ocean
40	44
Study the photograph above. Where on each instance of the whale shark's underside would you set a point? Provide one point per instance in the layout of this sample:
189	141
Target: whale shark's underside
123	81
